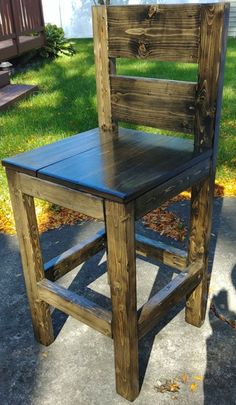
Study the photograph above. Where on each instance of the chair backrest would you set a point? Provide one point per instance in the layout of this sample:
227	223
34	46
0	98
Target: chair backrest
195	33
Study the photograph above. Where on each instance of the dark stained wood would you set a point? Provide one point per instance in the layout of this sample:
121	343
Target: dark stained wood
165	104
75	200
158	195
125	168
214	26
28	237
122	271
212	56
27	43
67	261
120	178
103	68
30	162
8	49
76	306
4	79
164	32
12	93
166	254
200	225
19	20
165	299
119	168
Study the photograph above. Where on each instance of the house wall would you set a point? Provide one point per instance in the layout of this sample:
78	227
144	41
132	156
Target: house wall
75	15
232	19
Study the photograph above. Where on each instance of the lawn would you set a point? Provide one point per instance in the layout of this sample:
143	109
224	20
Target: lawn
66	104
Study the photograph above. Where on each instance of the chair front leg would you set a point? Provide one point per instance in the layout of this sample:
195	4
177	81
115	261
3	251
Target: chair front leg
28	237
122	272
200	230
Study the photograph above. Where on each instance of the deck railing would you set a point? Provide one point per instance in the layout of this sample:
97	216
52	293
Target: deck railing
7	30
22	22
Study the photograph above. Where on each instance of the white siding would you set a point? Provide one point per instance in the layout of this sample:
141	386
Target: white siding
232	19
75	15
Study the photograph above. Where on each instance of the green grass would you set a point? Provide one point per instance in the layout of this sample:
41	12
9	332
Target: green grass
66	104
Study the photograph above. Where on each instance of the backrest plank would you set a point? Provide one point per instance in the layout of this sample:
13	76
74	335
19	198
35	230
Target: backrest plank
184	33
165	104
168	33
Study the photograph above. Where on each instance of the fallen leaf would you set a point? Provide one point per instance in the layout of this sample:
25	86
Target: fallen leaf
185	378
168	386
193	387
198	377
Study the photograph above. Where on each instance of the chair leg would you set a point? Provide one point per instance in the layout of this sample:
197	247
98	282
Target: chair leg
200	229
28	237
122	271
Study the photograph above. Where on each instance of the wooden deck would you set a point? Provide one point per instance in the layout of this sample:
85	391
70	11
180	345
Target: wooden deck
12	93
9	49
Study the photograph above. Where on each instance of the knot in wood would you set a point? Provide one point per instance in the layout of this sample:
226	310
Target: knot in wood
142	49
116	287
125	218
114	98
152	11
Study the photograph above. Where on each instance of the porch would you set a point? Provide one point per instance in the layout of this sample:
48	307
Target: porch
21	27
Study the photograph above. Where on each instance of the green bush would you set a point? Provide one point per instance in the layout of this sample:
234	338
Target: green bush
56	43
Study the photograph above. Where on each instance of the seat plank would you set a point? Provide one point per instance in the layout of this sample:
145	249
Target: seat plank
126	167
30	162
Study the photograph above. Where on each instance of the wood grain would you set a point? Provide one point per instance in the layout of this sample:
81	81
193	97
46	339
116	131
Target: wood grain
28	237
13	93
169	296
214	26
63	196
103	68
168	33
158	195
165	104
126	167
121	168
73	257
4	79
166	254
31	161
76	306
122	271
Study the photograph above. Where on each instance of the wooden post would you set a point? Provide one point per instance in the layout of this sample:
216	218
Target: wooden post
122	271
213	38
200	227
104	66
28	237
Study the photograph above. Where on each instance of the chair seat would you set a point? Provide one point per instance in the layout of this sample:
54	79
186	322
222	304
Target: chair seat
119	169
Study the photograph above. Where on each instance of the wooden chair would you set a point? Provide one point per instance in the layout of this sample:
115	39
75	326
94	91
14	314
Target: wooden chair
118	175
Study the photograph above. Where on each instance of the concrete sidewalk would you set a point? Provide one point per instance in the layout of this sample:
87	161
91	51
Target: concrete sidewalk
78	367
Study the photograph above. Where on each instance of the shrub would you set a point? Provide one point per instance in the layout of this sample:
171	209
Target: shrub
56	43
